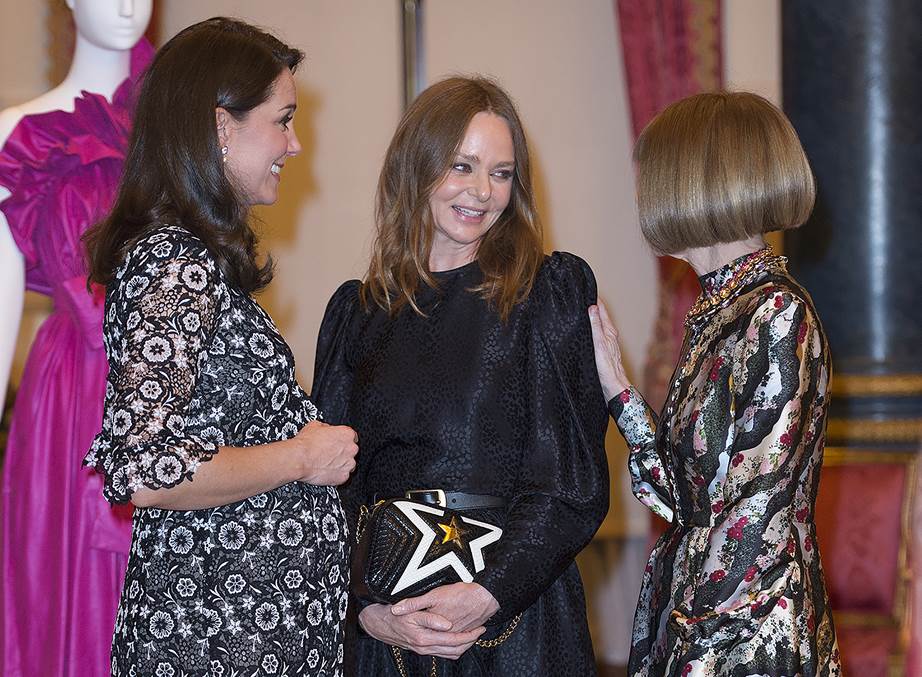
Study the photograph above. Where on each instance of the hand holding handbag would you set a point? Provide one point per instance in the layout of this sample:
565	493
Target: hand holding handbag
407	548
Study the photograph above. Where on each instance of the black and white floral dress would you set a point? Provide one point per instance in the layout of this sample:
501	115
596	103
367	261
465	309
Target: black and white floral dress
254	587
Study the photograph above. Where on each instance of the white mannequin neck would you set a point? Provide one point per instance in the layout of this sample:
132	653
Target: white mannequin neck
93	69
96	69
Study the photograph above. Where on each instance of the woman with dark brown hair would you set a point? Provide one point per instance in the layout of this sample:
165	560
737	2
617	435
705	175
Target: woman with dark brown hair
464	361
238	557
734	586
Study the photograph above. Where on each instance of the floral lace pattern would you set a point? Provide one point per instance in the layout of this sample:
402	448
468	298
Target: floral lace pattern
255	587
735	585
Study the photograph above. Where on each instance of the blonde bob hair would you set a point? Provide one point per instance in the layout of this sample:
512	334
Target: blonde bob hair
418	159
720	167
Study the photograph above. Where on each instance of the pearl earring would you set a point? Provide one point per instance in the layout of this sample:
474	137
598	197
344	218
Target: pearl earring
224	153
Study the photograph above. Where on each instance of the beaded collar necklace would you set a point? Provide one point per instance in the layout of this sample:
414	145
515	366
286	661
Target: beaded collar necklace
723	283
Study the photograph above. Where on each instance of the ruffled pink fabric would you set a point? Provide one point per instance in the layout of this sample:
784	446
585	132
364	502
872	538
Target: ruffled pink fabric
62	548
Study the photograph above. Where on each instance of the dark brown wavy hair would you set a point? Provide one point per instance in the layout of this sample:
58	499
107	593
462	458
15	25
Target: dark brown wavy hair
418	159
173	169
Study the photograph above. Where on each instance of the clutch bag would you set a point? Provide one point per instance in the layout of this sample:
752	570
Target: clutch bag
406	548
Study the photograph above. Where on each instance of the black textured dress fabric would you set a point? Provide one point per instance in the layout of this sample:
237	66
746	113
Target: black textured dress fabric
253	587
459	400
735	585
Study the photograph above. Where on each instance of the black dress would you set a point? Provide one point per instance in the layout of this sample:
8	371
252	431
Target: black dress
461	401
254	587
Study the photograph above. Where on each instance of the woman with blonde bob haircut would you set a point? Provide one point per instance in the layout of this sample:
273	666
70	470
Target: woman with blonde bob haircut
464	362
735	585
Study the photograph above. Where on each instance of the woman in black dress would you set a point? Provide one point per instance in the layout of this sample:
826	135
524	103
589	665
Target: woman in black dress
464	361
238	557
735	585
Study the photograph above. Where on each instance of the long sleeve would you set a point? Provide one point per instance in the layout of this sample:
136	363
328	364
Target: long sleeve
762	532
333	378
562	486
651	478
160	318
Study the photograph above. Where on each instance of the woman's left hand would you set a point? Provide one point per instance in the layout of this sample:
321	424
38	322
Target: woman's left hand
466	605
607	352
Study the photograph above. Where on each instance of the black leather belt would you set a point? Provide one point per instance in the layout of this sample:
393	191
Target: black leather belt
456	500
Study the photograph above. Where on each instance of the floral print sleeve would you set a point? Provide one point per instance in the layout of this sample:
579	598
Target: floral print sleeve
762	532
160	314
651	479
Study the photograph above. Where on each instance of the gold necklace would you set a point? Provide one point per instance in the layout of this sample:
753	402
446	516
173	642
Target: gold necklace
706	301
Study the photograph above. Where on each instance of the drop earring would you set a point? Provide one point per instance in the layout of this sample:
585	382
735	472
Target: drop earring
223	153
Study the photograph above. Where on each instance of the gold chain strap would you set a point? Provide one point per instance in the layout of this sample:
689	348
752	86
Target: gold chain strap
486	644
492	643
398	659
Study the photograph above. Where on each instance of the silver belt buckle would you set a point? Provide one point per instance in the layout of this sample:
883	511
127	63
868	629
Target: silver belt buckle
439	495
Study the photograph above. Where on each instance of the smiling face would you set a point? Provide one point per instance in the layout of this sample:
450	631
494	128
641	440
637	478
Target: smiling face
474	193
259	144
111	24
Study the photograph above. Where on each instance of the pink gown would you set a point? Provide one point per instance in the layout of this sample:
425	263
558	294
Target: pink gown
62	548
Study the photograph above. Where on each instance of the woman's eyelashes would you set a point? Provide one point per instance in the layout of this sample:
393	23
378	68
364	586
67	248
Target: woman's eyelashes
286	120
503	174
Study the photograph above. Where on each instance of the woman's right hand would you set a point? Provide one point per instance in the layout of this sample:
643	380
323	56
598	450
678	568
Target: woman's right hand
422	632
327	453
607	352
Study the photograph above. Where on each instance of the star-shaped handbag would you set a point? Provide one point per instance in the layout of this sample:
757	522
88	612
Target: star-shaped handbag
406	548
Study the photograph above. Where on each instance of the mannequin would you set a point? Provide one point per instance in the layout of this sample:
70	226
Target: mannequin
106	32
62	552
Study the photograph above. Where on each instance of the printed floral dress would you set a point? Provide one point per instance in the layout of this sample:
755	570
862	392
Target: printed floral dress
255	587
735	586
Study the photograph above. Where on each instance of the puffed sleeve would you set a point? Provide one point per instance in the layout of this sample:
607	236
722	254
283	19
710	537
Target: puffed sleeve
562	488
651	478
762	533
332	386
161	316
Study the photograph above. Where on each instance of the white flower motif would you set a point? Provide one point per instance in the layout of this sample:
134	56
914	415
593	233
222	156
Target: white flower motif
260	345
168	469
185	586
157	349
259	500
330	527
212	622
121	422
217	670
150	390
165	670
181	542
191	322
334	574
161	625
293	579
162	250
289	430
176	424
136	285
134	319
270	663
313	658
290	532
267	616
232	536
213	435
234	584
314	613
279	397
194	276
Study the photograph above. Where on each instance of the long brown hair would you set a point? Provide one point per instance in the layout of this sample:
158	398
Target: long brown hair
417	161
173	169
